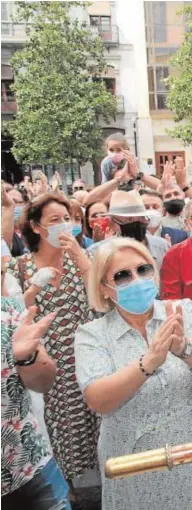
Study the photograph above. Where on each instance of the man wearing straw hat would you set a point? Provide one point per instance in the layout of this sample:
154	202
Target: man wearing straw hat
128	211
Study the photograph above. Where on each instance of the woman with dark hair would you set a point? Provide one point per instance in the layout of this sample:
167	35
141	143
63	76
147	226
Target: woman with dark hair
93	212
47	228
77	216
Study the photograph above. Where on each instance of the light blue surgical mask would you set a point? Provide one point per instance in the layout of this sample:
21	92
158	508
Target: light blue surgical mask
55	231
76	230
18	212
138	296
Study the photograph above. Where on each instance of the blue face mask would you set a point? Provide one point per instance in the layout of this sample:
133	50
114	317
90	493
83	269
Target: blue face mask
76	230
137	297
18	211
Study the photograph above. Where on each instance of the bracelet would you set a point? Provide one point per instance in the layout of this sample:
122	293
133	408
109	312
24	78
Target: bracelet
27	362
186	188
143	369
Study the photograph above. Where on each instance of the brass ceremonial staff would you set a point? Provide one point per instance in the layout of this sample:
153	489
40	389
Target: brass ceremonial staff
152	460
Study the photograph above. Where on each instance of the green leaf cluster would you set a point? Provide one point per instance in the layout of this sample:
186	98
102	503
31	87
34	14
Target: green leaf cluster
180	85
58	102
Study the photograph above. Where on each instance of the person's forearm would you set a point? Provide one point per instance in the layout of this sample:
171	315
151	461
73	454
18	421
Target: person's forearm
30	295
84	264
151	182
40	376
110	392
7	224
101	192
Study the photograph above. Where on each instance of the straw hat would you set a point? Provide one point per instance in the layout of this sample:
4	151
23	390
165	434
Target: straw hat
128	204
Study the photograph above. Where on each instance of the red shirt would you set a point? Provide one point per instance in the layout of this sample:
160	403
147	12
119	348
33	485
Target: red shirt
176	272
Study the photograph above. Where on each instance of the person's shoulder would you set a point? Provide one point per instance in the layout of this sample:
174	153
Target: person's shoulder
156	241
106	164
178	248
95	328
87	242
175	233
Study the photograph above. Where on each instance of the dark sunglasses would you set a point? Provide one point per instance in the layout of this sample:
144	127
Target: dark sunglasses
78	188
126	275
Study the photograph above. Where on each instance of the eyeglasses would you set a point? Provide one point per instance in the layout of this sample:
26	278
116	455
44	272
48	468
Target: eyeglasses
79	188
126	275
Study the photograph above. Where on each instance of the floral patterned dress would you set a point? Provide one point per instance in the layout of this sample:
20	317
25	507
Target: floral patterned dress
24	451
72	427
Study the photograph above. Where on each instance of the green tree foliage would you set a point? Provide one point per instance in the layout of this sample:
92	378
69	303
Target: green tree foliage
180	86
59	103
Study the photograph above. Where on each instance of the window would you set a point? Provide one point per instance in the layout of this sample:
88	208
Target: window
162	157
151	79
157	88
161	101
159	22
4	11
110	83
161	74
102	22
156	22
6	93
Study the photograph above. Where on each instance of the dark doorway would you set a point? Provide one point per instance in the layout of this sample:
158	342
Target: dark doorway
11	171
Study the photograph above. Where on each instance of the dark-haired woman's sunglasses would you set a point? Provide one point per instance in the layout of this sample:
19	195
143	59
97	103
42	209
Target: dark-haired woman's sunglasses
126	275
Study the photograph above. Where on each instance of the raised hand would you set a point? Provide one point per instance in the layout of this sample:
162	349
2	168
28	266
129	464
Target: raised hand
27	336
162	343
41	186
132	163
178	342
180	172
168	174
56	182
6	200
123	175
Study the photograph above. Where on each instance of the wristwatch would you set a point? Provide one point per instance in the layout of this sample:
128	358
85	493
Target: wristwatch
27	362
187	351
186	188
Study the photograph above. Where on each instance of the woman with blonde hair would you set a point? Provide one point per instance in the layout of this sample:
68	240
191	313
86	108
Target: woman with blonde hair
133	367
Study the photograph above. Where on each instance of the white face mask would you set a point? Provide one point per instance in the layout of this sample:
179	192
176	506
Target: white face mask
54	232
155	220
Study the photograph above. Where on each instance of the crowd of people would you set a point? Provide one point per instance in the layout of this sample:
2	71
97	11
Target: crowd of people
96	334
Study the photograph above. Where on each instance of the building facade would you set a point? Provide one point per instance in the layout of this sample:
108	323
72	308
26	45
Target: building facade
101	17
156	31
138	43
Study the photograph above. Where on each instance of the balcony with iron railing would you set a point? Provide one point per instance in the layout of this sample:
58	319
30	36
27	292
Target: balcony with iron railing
8	103
16	33
109	35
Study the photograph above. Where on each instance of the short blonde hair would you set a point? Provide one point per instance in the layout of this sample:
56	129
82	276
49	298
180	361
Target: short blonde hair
100	264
